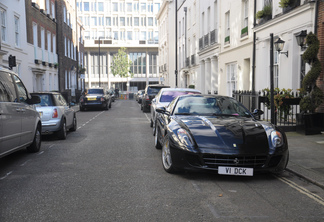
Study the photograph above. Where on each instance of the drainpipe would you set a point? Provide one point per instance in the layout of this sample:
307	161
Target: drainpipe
253	57
176	44
316	17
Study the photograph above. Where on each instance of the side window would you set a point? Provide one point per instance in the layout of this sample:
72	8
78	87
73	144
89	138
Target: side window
7	88
60	99
22	92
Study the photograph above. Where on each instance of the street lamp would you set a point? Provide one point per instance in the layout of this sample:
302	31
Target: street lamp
279	45
301	37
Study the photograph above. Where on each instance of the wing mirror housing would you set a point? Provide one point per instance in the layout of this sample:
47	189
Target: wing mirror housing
257	113
162	110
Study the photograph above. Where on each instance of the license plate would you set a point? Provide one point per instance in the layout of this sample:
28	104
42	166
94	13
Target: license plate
90	99
238	171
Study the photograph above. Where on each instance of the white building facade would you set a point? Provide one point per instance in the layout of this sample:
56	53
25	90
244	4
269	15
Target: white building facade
13	40
288	69
119	23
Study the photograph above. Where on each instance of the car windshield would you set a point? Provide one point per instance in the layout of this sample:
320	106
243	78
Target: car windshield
168	96
217	106
153	90
46	100
95	91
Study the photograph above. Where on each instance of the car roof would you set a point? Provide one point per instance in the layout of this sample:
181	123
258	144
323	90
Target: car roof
45	93
4	69
157	86
206	95
180	89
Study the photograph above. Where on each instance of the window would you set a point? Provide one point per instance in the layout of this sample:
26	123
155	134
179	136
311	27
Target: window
153	63
150	21
129	21
143	35
156	8
136	21
136	7
275	70
115	35
122	6
94	21
7	88
143	21
3	20
129	7
115	6
94	6
115	21
129	35
65	48
122	35
86	6
53	10
143	7
64	14
122	21
17	30
245	13
108	21
150	7
100	6
47	7
227	25
86	20
231	78
101	21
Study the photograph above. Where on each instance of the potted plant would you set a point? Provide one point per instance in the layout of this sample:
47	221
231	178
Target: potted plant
287	5
266	13
309	120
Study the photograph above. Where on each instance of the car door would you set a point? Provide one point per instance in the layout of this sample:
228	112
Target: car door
10	116
27	113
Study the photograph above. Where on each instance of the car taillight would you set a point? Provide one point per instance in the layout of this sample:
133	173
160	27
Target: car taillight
55	114
102	99
147	97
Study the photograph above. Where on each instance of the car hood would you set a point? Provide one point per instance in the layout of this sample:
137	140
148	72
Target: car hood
227	133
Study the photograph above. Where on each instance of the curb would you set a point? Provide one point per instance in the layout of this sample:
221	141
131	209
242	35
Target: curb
306	178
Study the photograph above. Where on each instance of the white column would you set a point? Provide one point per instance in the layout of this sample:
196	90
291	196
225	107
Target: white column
202	76
214	75
207	76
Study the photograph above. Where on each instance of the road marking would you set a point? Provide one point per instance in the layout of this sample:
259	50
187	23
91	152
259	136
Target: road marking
91	119
1	178
147	117
302	190
23	164
40	153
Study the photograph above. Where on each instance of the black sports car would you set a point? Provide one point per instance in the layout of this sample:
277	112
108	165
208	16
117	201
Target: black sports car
218	133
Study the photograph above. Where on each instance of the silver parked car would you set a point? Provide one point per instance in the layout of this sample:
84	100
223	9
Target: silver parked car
20	123
57	115
164	97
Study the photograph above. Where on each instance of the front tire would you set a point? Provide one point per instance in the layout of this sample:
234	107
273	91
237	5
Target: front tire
74	127
35	146
157	143
166	157
61	134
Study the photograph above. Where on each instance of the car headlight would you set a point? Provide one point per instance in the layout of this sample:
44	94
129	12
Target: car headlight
184	137
276	139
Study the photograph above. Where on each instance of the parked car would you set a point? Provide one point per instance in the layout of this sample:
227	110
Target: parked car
139	96
20	123
57	115
150	92
112	94
217	133
164	97
95	97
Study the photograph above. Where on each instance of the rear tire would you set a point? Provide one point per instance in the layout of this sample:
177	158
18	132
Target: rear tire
36	145
74	126
156	139
61	134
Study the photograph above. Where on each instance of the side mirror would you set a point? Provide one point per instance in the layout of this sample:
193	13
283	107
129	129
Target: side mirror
257	113
154	100
162	110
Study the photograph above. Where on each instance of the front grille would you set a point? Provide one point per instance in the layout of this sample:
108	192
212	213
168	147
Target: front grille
213	161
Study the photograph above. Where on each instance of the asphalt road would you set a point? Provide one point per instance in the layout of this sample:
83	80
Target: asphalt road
109	170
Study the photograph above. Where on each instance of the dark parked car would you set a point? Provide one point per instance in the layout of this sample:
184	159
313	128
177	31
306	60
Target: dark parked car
150	92
217	133
56	114
20	123
112	94
164	97
95	97
139	96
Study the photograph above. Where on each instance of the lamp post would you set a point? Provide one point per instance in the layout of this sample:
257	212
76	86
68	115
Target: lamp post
301	36
99	61
279	45
273	120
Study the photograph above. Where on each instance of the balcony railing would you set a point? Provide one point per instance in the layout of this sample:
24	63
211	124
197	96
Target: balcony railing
213	36
206	40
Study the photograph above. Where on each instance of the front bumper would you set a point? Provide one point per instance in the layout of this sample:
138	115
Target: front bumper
211	160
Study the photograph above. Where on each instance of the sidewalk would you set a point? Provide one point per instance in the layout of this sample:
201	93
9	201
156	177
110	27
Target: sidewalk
306	156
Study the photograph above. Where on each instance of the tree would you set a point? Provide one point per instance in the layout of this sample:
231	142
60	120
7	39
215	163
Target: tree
314	95
121	64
